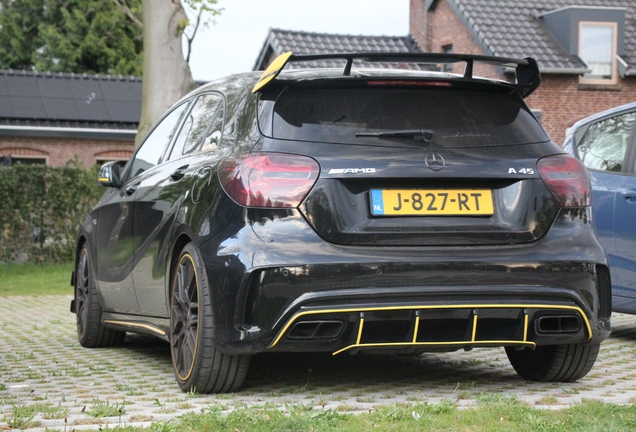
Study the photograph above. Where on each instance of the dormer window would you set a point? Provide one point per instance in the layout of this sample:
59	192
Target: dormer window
596	35
597	48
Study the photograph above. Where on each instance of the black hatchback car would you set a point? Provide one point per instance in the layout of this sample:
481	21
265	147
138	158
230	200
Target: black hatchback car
348	210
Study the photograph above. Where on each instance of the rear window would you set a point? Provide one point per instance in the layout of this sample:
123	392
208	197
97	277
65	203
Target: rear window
457	117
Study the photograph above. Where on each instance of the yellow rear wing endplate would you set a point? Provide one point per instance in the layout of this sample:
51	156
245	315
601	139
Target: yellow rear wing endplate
272	70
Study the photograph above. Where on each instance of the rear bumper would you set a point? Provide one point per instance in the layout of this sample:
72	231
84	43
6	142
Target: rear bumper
422	318
299	293
435	321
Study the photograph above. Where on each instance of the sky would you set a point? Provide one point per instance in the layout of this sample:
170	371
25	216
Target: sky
233	44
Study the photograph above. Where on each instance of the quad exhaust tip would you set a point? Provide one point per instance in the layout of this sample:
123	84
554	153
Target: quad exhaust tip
558	324
322	329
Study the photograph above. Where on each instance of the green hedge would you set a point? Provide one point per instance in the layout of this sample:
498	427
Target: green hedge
41	210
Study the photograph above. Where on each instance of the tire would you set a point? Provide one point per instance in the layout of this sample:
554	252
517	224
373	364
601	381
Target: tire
556	363
198	365
88	312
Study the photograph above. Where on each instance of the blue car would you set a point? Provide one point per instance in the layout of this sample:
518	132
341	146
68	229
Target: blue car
606	144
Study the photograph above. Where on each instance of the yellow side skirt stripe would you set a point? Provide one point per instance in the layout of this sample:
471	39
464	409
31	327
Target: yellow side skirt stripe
130	324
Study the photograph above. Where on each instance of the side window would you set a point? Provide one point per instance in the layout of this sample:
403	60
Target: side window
153	147
604	144
213	134
205	116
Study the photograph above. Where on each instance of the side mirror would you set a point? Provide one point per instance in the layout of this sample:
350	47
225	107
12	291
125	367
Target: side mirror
109	175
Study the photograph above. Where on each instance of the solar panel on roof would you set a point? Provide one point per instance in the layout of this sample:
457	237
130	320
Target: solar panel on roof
86	90
54	87
60	109
22	85
117	91
26	96
96	110
124	111
3	86
28	108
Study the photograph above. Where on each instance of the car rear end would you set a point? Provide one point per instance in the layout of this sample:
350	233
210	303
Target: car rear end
411	213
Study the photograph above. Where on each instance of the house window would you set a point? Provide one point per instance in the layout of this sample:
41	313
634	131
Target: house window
25	160
122	162
597	49
12	160
121	156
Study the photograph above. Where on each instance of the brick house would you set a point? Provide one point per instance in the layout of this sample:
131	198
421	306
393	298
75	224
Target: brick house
586	49
52	118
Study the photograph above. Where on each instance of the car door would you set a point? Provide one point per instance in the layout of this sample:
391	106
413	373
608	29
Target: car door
607	149
115	235
624	262
160	195
112	222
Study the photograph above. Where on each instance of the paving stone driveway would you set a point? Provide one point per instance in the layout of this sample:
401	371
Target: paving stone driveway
43	366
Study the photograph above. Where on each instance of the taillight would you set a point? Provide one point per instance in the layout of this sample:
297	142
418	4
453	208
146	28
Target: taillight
268	179
567	179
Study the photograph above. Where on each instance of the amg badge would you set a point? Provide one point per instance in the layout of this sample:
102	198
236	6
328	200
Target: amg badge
351	170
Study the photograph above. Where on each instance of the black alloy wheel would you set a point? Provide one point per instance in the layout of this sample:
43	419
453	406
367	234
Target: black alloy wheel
184	322
198	365
90	331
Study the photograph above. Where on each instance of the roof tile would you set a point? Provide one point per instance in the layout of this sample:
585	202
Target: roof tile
322	43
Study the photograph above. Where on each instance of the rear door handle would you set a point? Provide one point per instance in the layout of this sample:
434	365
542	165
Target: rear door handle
179	173
630	196
131	189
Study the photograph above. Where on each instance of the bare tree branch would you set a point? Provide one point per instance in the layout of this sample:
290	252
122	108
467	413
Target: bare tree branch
194	32
121	4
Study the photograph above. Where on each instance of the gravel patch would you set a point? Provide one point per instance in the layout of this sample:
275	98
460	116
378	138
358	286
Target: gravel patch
46	374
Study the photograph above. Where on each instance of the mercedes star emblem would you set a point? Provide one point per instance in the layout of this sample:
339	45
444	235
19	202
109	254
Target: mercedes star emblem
435	162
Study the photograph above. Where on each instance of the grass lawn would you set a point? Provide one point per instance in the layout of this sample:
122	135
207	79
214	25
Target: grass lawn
32	279
501	416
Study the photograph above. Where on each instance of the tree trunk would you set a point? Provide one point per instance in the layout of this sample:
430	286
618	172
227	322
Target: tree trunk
166	74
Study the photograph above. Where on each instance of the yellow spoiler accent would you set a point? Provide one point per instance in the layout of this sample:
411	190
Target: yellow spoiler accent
272	70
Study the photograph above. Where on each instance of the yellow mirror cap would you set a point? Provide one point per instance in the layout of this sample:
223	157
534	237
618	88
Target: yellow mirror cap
272	70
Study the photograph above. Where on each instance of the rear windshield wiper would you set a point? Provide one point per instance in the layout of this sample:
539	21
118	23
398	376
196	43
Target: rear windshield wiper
417	134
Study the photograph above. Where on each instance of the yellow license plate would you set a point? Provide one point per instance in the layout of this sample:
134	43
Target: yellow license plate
434	202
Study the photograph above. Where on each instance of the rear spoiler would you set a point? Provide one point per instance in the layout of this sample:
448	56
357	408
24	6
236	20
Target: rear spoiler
527	70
